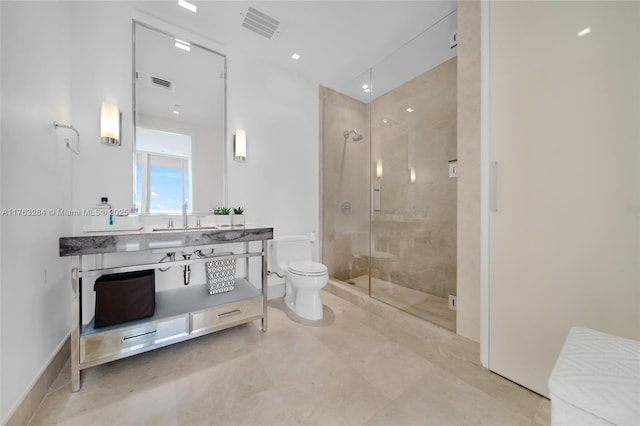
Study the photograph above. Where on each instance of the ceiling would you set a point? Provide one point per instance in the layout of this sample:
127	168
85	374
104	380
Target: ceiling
337	40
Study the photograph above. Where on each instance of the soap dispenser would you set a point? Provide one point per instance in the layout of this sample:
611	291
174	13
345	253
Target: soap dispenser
104	204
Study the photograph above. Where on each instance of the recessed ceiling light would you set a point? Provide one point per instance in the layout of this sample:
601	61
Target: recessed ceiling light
385	121
365	86
183	45
409	110
176	112
584	32
295	56
367	90
189	6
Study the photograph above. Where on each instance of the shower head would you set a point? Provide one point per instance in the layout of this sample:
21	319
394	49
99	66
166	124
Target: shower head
356	136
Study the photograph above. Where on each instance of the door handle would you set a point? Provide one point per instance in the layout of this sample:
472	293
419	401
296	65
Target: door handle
136	336
227	314
376	199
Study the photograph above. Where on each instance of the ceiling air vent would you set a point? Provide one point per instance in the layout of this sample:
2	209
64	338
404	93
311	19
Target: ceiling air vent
260	22
161	82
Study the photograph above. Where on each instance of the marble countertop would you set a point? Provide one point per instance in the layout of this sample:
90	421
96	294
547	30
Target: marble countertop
148	239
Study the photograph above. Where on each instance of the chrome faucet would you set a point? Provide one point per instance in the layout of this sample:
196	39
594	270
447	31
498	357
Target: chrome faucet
185	205
186	270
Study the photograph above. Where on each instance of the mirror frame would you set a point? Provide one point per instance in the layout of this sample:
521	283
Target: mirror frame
187	37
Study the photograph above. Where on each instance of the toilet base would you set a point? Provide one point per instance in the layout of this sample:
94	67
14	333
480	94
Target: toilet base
305	303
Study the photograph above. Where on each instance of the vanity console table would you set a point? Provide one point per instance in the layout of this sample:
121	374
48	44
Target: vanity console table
180	313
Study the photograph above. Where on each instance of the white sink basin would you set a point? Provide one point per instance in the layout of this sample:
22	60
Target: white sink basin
190	228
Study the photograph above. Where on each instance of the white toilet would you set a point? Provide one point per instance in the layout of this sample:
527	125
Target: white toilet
291	257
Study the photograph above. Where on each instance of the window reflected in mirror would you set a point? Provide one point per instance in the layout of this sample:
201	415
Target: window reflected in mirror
163	177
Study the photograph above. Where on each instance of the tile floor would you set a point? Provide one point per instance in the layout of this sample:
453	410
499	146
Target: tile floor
356	367
423	305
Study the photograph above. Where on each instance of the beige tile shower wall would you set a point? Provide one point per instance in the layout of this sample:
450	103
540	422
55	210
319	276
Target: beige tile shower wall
417	223
345	175
468	313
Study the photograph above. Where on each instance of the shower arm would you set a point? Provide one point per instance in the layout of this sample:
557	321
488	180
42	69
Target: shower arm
66	140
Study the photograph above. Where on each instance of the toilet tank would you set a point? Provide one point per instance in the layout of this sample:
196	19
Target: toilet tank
287	249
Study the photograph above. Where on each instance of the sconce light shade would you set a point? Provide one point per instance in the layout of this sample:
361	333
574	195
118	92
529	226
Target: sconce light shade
379	168
240	145
412	175
110	124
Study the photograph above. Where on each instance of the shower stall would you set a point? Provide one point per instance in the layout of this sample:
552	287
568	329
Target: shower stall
389	188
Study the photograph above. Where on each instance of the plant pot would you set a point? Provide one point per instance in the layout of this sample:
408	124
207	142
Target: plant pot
237	220
222	219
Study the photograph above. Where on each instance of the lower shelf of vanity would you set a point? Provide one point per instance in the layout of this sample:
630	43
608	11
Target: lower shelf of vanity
180	314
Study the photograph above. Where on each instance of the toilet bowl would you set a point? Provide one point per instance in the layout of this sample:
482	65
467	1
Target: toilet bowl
291	257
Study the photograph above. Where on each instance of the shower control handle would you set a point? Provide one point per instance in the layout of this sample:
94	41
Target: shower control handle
346	207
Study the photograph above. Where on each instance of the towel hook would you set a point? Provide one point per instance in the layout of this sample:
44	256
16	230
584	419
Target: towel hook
66	140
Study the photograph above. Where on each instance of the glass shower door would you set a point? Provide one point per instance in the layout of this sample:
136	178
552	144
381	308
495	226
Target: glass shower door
388	202
413	146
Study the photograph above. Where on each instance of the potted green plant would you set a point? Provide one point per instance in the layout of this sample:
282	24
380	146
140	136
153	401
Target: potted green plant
222	216
237	219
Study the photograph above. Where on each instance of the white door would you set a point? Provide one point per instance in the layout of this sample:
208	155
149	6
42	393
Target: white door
564	129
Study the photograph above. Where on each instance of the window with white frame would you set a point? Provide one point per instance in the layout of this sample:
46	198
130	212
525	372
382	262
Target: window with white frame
163	171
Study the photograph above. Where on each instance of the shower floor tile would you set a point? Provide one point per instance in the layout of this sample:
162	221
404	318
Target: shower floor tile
423	305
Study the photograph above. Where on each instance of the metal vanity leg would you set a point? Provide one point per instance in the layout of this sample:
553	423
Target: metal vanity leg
75	324
264	285
246	262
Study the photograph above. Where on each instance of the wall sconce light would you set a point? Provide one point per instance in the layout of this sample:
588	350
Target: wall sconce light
110	124
240	145
412	175
379	168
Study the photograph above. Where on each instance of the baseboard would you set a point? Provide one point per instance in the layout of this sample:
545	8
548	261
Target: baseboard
25	409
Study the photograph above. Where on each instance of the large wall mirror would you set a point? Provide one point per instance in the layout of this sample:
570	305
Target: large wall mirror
179	102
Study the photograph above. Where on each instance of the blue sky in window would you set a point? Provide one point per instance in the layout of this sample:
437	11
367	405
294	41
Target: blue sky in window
166	188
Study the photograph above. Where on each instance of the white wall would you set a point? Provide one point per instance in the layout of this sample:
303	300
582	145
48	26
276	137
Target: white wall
102	71
65	75
35	174
278	183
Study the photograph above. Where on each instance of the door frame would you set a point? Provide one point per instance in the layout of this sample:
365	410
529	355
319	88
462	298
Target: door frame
485	70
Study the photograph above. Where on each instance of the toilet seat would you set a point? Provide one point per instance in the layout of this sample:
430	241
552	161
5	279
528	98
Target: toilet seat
307	268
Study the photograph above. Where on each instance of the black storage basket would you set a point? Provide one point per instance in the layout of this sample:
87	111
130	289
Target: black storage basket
124	297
